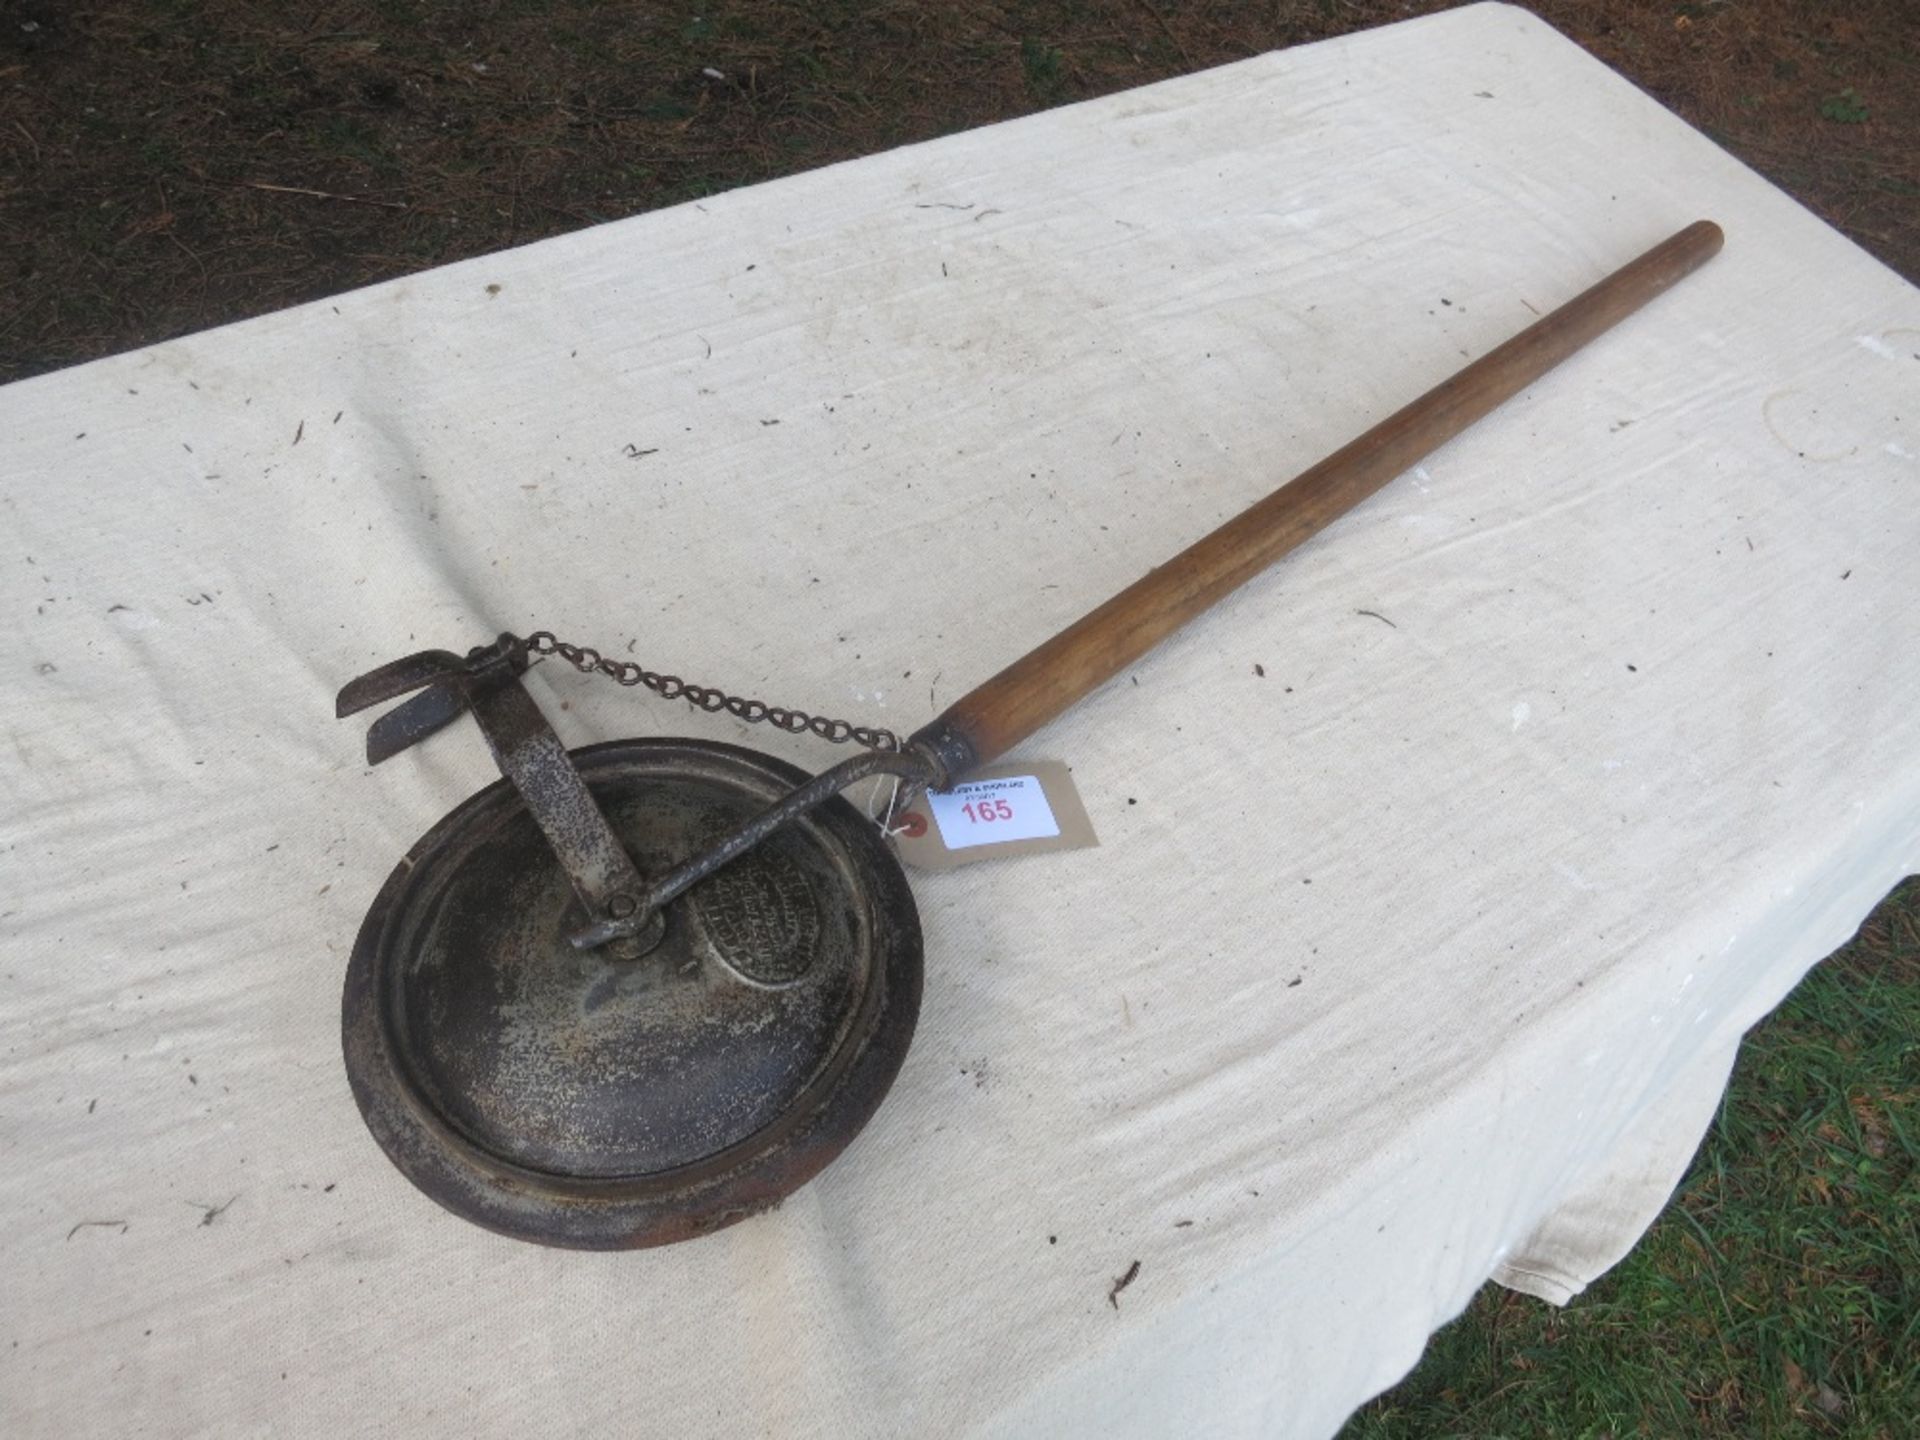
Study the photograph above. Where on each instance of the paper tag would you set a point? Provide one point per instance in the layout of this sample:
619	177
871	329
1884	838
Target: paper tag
992	812
999	811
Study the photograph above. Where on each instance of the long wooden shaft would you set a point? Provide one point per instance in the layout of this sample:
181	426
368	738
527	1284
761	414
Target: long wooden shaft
1034	689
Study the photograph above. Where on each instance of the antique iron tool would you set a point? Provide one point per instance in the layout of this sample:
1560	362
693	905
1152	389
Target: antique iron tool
634	992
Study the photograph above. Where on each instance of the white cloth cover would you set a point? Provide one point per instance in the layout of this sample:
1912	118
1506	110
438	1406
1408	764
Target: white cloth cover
1419	959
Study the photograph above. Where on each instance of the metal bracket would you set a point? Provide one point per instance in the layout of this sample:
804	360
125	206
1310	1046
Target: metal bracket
529	754
624	911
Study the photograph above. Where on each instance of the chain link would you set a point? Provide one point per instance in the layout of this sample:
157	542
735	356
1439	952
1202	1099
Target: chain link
671	687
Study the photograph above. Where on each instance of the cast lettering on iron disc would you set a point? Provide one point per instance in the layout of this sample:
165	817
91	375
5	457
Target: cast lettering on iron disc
761	917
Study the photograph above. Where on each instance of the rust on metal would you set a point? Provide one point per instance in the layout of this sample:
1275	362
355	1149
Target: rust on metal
574	1098
567	1094
521	1068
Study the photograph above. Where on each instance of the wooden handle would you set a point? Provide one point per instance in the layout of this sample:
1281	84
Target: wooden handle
1034	689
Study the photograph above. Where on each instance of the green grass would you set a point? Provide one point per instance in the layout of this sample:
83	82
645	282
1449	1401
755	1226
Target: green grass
1779	1294
1042	66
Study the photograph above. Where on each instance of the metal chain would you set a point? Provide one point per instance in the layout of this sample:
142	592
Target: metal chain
671	687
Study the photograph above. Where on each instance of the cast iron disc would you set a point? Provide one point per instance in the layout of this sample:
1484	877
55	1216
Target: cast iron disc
574	1098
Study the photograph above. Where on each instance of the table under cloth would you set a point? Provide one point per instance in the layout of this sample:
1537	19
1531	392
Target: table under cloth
1441	869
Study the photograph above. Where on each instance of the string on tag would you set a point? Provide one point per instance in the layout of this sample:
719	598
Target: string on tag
893	800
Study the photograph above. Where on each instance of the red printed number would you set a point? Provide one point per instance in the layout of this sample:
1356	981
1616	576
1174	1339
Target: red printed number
984	812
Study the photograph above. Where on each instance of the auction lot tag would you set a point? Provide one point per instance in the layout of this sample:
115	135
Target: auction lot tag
997	812
992	812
